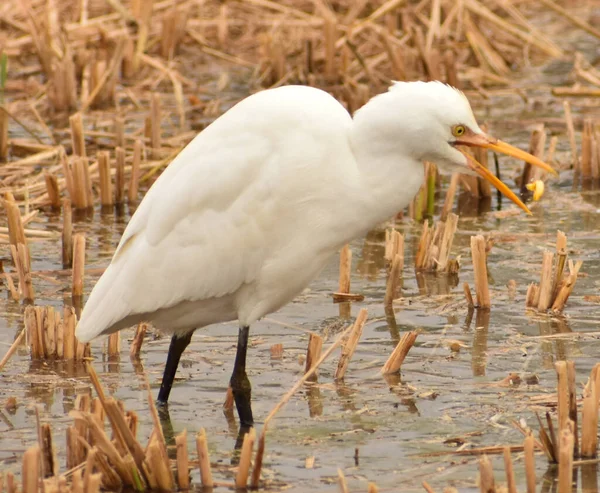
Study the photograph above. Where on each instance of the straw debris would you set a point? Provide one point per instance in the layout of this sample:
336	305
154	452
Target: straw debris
51	336
554	288
433	253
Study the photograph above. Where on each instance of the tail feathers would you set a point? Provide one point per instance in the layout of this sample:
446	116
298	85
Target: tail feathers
105	308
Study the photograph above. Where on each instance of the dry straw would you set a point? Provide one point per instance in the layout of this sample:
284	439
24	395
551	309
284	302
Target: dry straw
394	362
562	443
343	293
19	248
138	339
78	264
67	234
394	256
554	288
307	376
51	336
349	346
96	461
433	253
313	353
479	256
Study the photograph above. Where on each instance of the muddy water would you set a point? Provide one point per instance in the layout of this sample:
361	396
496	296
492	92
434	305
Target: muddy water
396	432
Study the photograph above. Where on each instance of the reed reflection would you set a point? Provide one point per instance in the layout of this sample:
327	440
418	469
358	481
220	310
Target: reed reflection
432	284
556	348
372	258
480	340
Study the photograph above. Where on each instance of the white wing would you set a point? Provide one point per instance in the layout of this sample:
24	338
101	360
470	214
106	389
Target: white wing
205	227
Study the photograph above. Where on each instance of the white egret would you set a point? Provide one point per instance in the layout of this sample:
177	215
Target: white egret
252	209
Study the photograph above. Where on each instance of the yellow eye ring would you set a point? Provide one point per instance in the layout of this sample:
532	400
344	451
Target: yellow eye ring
458	130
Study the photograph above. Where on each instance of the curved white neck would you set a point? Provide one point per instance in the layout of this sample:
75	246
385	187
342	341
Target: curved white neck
389	178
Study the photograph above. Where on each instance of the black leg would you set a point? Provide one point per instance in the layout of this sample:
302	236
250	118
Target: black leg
178	345
240	385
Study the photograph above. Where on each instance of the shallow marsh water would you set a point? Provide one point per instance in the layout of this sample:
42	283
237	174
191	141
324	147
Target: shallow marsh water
395	432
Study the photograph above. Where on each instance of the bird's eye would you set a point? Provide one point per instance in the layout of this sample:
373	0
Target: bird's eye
458	130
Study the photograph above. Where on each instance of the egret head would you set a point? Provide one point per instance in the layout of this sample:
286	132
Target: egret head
431	121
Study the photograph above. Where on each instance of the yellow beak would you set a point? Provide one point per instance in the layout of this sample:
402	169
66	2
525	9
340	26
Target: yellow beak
487	142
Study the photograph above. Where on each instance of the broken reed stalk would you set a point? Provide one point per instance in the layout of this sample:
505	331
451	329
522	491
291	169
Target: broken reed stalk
561	258
394	245
572	389
82	185
433	253
16	231
529	451
3	132
51	337
276	351
119	130
135	466
589	426
173	31
554	290
468	295
343	292
48	454
342	482
119	175
284	400
77	135
313	352
134	179
20	255
114	345
14	293
596	154
183	473
565	461
571	132
478	255
450	193
67	235
568	419
510	473
138	339
563	395
566	287
52	189
546	284
330	37
586	148
394	362
12	349
349	346
425	485
106	191
78	264
155	120
393	281
486	475
394	256
19	248
345	269
241	478
203	459
31	469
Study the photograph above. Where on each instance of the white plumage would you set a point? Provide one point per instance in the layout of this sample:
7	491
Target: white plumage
252	209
